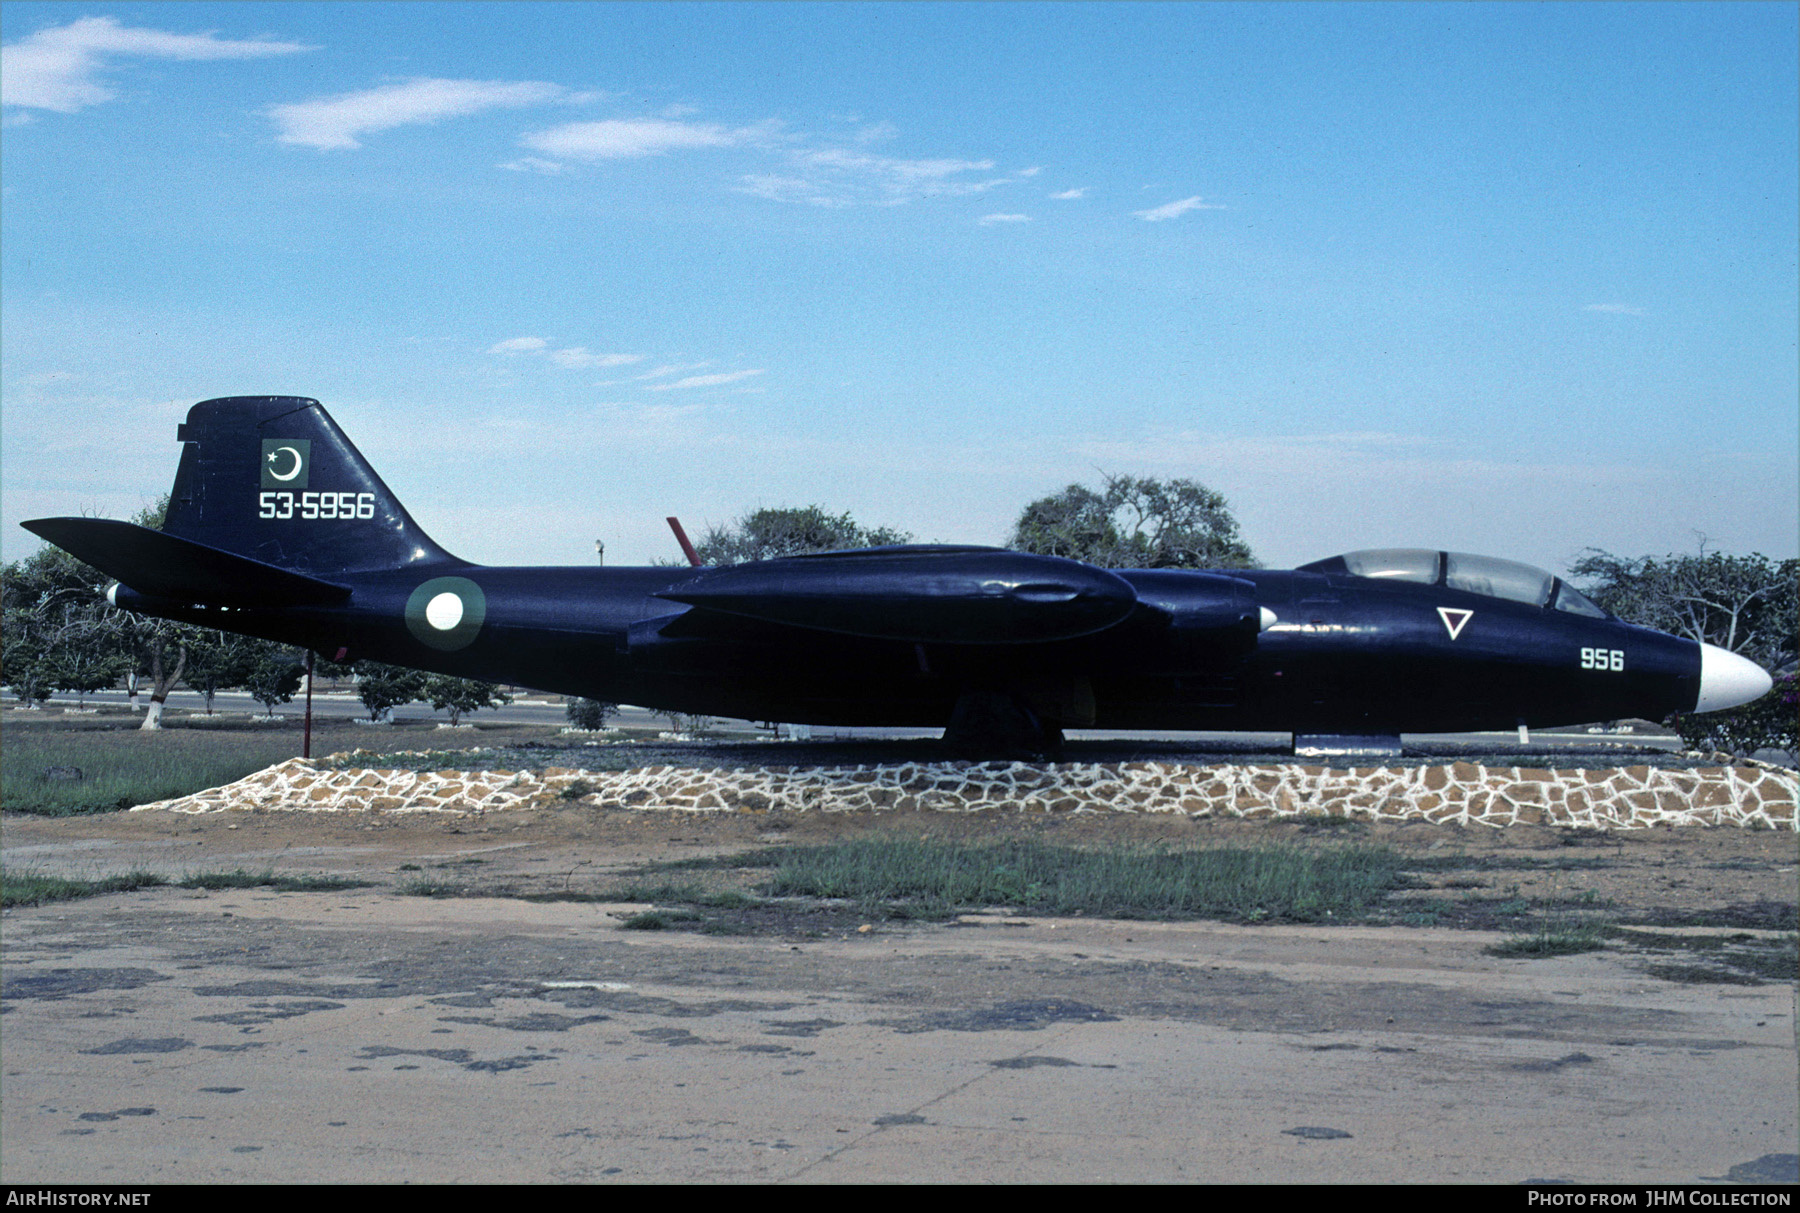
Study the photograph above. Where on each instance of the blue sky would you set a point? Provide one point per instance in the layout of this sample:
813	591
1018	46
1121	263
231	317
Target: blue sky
1499	278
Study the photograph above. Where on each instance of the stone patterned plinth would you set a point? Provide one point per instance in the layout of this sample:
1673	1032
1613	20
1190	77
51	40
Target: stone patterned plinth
1634	797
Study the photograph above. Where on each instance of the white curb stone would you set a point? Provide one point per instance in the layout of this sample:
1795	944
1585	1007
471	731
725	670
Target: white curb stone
1635	797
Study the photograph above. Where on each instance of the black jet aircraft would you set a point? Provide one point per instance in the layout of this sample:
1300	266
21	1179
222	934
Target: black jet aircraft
278	528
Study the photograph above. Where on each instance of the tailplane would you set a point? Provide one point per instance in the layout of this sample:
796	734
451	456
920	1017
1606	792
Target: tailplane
273	479
163	566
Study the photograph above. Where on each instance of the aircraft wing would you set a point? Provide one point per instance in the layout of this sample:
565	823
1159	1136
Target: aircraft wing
921	594
151	562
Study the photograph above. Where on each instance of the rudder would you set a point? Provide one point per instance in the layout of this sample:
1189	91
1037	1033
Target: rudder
273	478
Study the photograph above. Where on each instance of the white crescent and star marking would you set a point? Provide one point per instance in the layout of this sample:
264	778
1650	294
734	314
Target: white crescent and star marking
293	471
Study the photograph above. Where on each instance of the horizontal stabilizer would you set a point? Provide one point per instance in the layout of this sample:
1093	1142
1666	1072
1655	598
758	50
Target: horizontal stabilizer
164	566
927	595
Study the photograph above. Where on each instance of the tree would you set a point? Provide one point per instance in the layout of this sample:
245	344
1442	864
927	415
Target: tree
687	724
137	632
767	534
26	638
1135	523
383	688
590	714
60	631
54	627
218	661
274	676
85	668
27	656
1747	604
459	695
160	636
1769	723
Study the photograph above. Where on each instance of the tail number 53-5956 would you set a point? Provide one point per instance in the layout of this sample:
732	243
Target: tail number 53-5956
1603	659
316	505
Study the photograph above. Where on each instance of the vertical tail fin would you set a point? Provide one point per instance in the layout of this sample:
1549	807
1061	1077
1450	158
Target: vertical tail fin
274	479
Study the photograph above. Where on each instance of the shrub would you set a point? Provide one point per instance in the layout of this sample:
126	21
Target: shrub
591	714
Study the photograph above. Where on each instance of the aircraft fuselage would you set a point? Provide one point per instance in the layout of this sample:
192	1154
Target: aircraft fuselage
1344	654
277	527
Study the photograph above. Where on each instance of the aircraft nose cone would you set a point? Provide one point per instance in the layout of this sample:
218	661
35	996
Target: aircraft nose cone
1726	680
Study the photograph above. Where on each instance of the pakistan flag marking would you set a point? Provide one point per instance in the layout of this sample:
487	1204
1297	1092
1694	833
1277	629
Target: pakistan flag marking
445	613
286	462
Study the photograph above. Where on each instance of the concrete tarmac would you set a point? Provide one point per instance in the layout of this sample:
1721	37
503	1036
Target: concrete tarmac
175	1036
531	710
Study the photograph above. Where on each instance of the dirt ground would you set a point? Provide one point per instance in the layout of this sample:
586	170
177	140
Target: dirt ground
182	1035
1723	877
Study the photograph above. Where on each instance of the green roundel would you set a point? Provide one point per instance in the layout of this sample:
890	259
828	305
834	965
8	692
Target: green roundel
446	612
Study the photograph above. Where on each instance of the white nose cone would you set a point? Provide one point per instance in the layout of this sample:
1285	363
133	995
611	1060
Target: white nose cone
1726	680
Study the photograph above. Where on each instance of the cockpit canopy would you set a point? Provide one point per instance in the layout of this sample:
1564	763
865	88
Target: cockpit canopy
1487	575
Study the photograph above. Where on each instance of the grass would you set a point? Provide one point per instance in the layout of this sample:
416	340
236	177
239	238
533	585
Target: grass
1555	939
425	886
660	920
35	888
473	758
900	877
1333	879
1737	958
241	879
908	878
122	767
1510	863
897	877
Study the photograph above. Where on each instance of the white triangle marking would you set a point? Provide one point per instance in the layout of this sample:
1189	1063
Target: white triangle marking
1455	619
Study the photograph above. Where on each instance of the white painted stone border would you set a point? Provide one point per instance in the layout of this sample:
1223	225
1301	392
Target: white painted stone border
1637	797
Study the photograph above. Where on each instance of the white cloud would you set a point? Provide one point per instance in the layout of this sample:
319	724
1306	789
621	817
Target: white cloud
575	357
835	176
1616	309
1068	195
1171	209
987	220
671	369
810	172
578	356
777	188
620	139
335	122
876	132
663	414
705	380
919	174
57	69
533	164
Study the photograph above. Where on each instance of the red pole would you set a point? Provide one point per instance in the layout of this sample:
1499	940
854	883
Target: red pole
687	549
306	741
